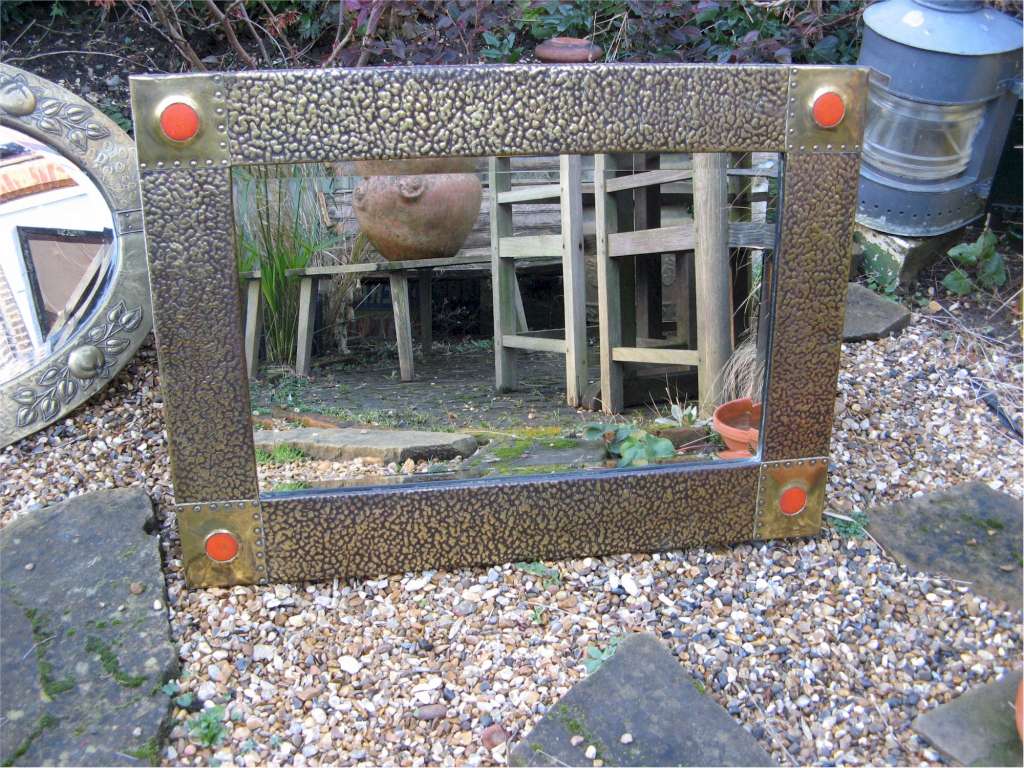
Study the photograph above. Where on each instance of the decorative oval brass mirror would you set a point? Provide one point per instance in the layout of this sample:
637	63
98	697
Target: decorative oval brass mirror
74	297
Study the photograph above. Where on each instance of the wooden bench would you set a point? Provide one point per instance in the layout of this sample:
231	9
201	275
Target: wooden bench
398	274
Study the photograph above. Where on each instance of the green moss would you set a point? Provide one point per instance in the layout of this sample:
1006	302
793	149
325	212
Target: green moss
574	724
512	450
41	636
561	443
110	663
45	721
296	485
533	469
150	752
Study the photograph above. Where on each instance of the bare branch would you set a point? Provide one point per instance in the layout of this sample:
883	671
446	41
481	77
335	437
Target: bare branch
339	44
173	28
230	32
252	31
371	29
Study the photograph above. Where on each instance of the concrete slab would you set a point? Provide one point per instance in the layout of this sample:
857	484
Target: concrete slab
977	728
85	645
969	532
643	692
386	444
870	316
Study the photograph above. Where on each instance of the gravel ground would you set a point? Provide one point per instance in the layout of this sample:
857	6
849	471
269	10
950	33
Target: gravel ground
824	649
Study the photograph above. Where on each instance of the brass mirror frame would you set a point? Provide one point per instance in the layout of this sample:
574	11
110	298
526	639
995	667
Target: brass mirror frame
121	318
477	111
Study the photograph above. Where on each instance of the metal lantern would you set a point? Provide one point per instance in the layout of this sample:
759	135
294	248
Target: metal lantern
945	79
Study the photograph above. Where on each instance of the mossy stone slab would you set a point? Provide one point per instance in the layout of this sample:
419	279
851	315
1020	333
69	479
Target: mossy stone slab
83	652
642	691
969	532
978	727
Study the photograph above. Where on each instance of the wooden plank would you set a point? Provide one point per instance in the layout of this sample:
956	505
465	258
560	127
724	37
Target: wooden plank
714	290
390	266
655	355
403	324
532	246
426	312
253	325
308	289
680	237
574	279
647	216
530	194
503	276
647	179
609	294
685	299
534	343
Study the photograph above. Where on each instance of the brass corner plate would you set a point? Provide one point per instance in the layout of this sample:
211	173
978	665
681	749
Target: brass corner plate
206	94
242	519
805	85
778	477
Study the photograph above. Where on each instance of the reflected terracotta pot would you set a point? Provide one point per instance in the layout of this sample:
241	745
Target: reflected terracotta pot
738	422
1020	709
427	215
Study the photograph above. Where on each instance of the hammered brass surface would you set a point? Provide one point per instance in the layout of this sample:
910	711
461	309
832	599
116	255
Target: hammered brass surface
363	533
240	518
809	474
807	83
205	94
328	115
477	111
197	315
818	202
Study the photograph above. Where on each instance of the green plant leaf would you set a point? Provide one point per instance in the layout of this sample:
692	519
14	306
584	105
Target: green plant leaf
992	271
958	282
965	253
661	448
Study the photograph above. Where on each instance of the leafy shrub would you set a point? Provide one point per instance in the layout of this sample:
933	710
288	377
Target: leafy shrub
979	257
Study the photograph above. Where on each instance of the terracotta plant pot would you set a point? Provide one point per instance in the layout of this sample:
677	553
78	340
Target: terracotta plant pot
425	214
738	422
567	50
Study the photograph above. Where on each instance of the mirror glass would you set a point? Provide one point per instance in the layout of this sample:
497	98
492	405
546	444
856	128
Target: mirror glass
391	350
57	250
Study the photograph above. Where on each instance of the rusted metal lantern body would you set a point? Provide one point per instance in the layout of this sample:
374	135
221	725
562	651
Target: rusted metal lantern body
945	79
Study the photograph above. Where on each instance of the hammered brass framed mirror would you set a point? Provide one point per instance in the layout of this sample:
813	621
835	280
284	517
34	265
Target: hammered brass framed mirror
74	297
194	132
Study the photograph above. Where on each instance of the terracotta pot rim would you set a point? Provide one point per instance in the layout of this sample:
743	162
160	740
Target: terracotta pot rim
737	438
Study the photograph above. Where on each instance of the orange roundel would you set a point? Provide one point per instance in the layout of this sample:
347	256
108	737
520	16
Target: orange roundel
179	121
221	546
829	109
793	500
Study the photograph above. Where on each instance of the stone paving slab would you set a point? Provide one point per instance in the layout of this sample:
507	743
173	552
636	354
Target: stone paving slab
83	650
385	444
641	691
978	727
968	532
870	316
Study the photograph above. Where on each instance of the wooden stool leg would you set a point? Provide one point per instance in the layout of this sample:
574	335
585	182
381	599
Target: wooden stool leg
253	326
647	215
503	276
403	323
609	293
685	300
574	284
426	312
714	292
307	317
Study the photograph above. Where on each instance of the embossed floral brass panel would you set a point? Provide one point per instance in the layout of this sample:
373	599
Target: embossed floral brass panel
331	115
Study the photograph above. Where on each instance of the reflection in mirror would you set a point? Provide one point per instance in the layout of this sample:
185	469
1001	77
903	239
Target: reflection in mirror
56	251
453	319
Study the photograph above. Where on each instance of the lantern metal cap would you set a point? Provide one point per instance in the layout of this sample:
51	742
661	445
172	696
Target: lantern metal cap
970	32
